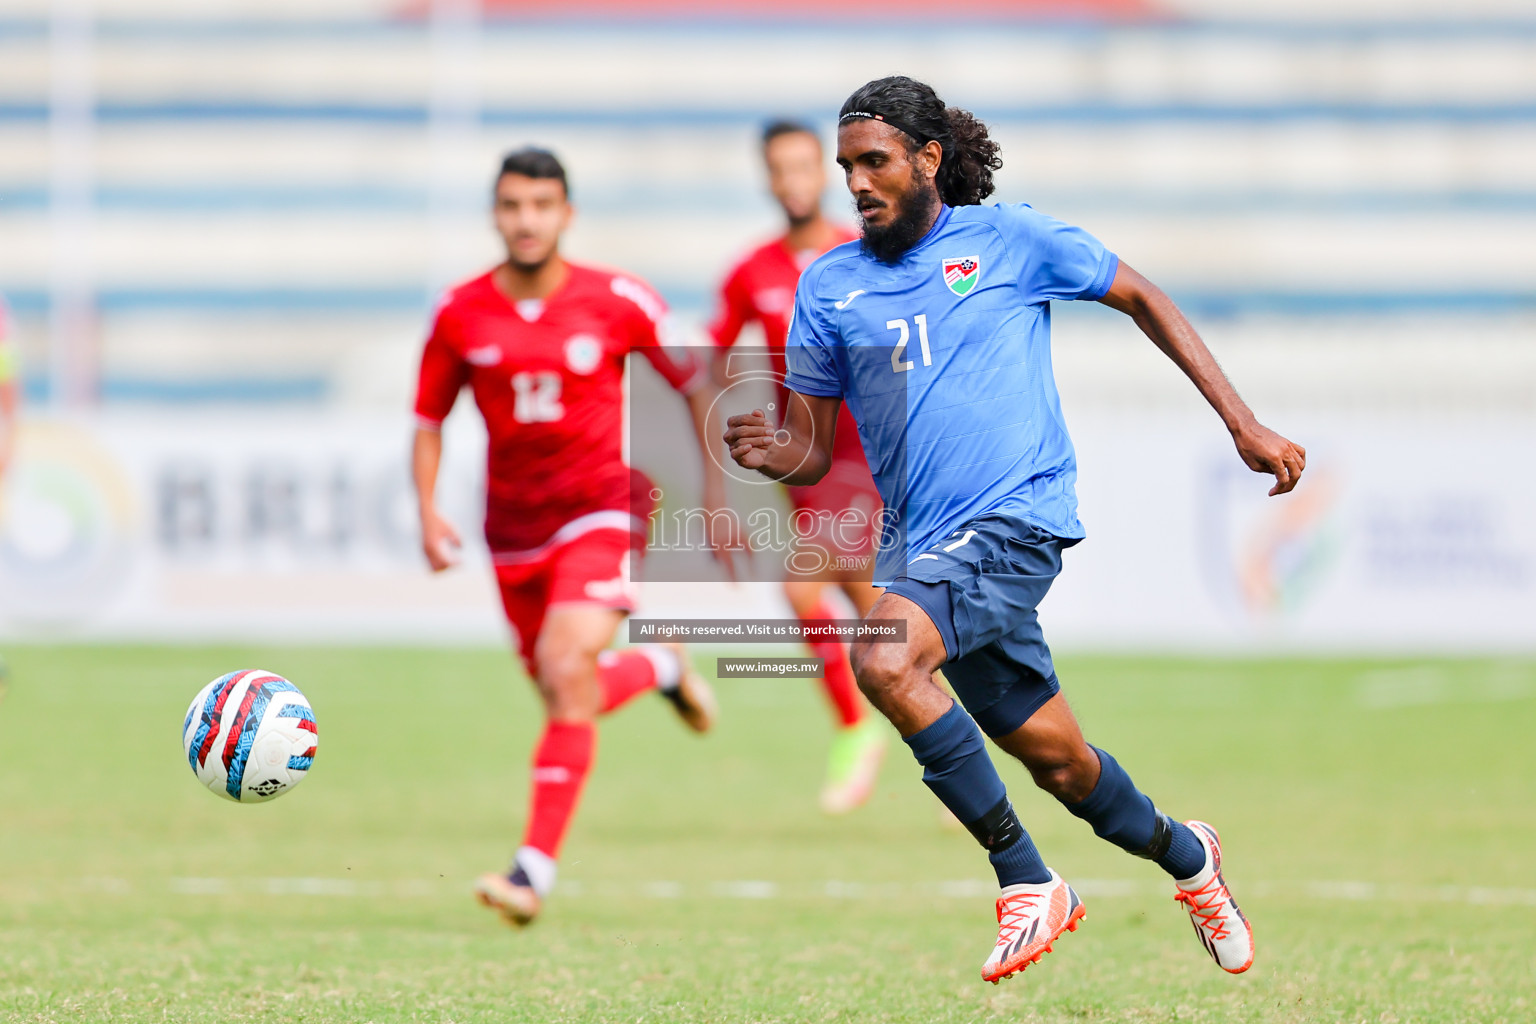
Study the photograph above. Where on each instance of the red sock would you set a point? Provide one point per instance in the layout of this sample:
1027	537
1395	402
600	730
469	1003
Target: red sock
560	765
838	682
623	675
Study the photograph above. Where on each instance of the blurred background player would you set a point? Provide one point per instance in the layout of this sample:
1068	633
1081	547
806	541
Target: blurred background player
761	289
542	343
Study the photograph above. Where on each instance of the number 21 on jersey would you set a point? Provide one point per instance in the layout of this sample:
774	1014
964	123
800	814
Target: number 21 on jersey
537	397
898	364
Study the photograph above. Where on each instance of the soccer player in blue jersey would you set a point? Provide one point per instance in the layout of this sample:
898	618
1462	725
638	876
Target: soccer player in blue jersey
935	329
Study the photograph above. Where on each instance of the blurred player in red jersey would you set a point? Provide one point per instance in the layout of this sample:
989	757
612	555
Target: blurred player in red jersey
761	289
542	343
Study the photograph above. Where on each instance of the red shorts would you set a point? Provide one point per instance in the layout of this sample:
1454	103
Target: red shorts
593	567
839	514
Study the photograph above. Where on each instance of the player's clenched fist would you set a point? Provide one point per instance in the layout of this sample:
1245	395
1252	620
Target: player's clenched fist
1265	451
439	541
749	438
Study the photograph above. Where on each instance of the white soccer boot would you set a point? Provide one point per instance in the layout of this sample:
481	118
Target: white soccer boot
1219	924
1029	919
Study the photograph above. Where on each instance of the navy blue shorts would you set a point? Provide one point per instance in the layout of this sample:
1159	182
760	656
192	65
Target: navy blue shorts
981	586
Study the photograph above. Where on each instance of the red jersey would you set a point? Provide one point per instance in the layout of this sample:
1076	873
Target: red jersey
761	288
548	378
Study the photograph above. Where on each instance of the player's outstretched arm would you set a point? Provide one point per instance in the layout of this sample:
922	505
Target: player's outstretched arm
799	453
439	540
1263	450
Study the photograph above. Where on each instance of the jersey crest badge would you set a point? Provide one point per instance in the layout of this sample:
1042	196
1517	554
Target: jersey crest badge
583	353
485	355
961	274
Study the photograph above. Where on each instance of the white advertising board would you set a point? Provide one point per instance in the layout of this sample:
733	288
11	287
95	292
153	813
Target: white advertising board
245	524
1407	534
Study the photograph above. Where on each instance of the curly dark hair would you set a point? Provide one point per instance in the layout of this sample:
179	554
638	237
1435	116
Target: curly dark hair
970	155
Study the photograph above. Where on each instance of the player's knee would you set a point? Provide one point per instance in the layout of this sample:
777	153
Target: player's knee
879	667
1064	777
804	598
563	677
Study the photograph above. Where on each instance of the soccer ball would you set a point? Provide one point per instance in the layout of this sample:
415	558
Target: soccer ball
250	736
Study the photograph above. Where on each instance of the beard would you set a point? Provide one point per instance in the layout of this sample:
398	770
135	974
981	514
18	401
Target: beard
918	205
801	220
529	268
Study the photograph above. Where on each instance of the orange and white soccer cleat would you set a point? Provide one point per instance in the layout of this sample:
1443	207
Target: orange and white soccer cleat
517	904
691	697
1219	924
1030	918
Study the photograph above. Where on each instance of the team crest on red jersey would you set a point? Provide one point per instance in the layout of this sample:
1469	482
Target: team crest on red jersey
961	274
485	355
583	353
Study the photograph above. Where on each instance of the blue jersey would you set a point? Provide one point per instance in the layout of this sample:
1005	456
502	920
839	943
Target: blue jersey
944	359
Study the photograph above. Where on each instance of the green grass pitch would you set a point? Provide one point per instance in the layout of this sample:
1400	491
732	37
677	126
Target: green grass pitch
1378	818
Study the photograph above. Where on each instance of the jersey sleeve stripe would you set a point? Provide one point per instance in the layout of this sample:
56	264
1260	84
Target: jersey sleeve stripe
1105	278
804	387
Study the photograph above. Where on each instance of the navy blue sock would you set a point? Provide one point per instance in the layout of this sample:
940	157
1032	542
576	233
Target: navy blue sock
1019	863
1185	857
956	767
1123	814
